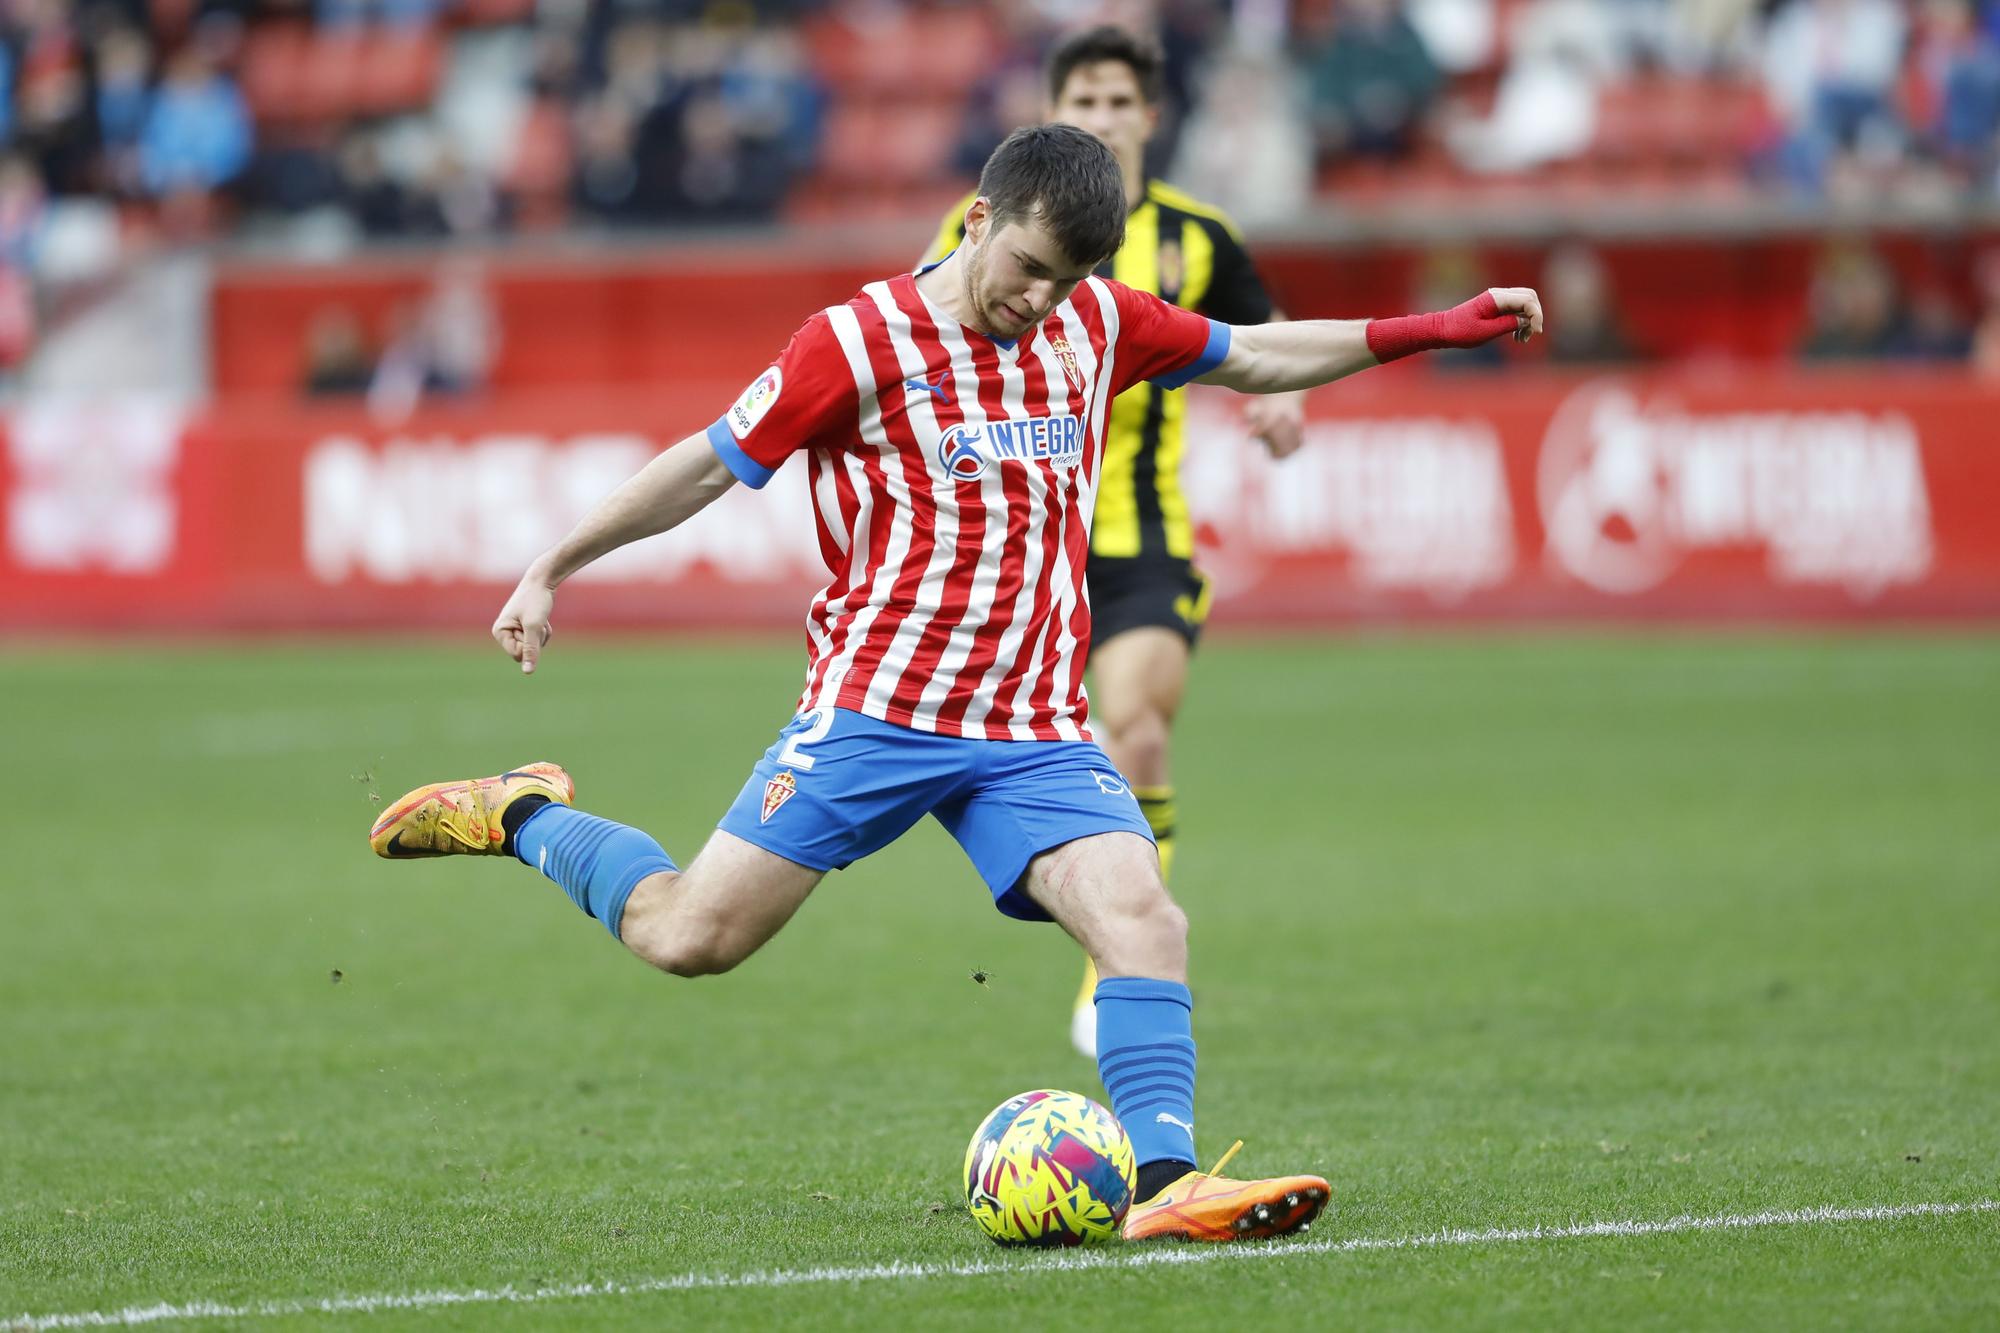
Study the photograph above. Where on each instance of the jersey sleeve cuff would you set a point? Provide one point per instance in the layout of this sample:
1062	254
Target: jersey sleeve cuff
1211	357
747	469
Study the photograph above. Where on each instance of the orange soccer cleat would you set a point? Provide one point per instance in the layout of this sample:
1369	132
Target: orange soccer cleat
1210	1206
463	818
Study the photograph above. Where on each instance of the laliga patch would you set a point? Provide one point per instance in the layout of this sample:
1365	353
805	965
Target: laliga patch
1067	355
748	410
776	792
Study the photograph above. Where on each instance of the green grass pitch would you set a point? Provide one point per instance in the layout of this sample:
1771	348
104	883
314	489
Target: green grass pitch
1495	932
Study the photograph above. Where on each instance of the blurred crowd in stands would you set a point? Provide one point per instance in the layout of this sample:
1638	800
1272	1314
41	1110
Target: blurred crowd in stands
326	122
456	117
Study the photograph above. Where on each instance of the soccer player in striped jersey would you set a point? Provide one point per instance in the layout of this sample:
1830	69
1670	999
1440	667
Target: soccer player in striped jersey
1147	598
952	424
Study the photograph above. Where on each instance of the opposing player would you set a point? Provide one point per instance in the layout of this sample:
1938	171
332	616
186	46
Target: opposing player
952	424
1147	598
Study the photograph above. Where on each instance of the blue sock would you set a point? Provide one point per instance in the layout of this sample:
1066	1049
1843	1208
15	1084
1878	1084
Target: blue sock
1145	1055
598	863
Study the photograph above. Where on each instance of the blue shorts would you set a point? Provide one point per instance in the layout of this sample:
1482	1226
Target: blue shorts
837	785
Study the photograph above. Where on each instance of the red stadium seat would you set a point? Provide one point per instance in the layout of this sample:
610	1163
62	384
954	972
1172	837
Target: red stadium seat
327	77
295	78
492	13
956	48
851	144
399	72
884	146
538	175
274	58
896	54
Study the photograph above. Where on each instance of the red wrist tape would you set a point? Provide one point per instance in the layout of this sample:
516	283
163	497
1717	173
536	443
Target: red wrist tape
1479	320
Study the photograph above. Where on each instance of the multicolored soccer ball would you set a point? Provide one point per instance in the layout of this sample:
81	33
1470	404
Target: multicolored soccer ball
1050	1168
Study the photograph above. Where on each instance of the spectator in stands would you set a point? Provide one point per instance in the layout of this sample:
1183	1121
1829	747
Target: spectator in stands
124	99
774	98
1954	90
52	113
402	372
461	329
197	134
370	195
337	360
1575	282
1935	329
1985	351
1830	67
635	65
1245	146
442	345
359	13
23	206
1709	36
1010	97
1370	79
1460	35
23	209
1545	108
716	171
1854	306
462	203
699	123
605	184
1190	34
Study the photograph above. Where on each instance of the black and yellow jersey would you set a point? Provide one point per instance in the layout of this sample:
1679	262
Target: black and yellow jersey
1189	254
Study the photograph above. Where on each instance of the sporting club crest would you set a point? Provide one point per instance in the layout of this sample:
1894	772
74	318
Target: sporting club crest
1173	270
1067	355
776	792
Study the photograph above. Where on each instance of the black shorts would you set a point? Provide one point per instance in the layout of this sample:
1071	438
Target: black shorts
1150	590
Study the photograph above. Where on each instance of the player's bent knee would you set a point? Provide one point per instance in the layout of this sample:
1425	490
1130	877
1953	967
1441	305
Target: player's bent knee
695	962
1148	941
692	957
688	949
1141	739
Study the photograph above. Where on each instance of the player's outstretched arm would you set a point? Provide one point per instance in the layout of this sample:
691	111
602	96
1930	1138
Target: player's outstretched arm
1279	358
668	491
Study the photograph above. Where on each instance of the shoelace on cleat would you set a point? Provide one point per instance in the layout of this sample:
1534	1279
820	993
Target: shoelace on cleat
470	813
1223	1161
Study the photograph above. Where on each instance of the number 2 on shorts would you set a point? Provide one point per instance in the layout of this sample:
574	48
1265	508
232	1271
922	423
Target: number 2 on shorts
794	753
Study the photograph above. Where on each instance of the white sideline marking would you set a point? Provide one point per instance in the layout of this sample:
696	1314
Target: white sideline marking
1066	1261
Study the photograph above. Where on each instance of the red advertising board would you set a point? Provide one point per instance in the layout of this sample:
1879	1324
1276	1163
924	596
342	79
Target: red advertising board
1825	496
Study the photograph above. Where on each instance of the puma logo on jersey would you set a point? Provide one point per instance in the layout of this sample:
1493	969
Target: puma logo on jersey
1163	1118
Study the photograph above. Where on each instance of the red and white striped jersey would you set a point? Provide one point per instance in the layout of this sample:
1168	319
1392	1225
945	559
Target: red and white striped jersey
953	478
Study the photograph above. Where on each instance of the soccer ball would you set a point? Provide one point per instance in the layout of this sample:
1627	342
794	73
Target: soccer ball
1050	1168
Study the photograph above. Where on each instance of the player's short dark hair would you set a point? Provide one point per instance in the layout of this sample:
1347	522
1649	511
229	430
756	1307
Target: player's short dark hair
1093	46
1066	179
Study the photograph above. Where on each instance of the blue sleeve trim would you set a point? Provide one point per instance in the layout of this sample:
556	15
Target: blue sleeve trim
747	469
1211	357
